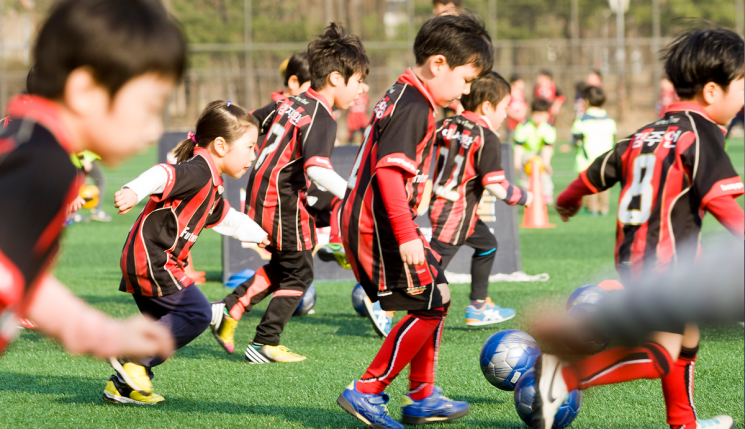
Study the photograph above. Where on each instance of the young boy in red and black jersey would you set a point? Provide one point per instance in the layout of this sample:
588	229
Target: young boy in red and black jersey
100	84
671	172
300	135
468	163
388	253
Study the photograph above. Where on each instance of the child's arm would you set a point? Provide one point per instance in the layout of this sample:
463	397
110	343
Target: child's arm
393	192
547	151
319	140
328	179
152	181
492	175
726	210
81	329
241	227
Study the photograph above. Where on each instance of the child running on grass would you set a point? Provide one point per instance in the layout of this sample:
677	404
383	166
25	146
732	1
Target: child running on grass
468	163
183	199
104	70
671	172
388	253
300	134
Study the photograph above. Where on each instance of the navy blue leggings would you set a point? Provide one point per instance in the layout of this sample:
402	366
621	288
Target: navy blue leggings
186	313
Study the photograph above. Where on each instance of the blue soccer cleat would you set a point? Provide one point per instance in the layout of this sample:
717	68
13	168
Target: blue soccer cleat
489	314
435	408
371	409
378	317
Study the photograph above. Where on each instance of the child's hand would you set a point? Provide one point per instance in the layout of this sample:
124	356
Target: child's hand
412	252
566	212
529	200
125	200
76	205
142	337
265	242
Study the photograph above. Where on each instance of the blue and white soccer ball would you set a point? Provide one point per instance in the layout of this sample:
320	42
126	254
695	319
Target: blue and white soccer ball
524	393
358	300
308	302
587	294
591	342
506	356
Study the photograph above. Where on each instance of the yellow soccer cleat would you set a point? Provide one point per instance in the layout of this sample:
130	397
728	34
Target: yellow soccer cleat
256	353
223	327
133	375
118	392
334	252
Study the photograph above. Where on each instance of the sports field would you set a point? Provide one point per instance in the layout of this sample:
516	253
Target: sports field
43	386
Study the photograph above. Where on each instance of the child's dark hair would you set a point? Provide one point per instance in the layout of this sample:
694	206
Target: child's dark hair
547	73
298	66
456	3
461	39
540	105
336	50
219	119
492	88
597	73
514	78
116	40
594	95
580	87
700	56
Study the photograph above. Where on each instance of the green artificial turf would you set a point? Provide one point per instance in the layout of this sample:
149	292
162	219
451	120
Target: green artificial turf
43	386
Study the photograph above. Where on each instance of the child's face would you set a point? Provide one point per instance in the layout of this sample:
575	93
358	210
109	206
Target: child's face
519	85
498	114
447	84
345	94
241	154
119	128
723	106
540	117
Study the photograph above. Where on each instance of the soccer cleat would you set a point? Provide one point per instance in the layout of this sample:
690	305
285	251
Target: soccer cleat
718	422
334	252
551	390
435	408
256	353
369	408
100	216
489	314
223	326
382	324
118	392
133	375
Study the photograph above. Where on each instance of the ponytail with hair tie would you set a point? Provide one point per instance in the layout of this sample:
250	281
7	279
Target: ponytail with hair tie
185	149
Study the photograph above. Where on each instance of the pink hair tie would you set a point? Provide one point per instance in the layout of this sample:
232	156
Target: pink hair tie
192	136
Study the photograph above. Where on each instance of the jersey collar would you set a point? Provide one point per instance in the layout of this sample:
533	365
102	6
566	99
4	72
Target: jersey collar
204	153
278	96
680	106
313	94
46	113
478	119
410	78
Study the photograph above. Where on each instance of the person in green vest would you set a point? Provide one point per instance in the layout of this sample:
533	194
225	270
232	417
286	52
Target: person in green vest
88	162
536	137
594	134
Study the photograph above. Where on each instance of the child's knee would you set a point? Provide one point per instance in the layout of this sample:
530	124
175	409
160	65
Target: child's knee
444	292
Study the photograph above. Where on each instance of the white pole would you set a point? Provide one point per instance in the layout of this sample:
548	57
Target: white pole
620	59
248	42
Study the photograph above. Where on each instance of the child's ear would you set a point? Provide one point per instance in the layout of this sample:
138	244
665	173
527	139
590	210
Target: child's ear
712	92
437	64
293	83
220	146
335	79
83	95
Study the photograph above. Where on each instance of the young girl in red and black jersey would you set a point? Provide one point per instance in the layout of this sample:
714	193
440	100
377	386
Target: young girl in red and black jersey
184	199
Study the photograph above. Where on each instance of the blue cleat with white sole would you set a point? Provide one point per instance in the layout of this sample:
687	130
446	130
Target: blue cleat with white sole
378	317
370	409
435	408
489	314
718	422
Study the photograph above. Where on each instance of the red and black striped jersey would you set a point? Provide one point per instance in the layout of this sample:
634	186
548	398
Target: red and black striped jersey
669	170
156	250
300	132
38	183
468	159
400	134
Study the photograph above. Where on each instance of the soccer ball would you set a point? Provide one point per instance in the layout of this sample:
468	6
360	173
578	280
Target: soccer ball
524	393
506	356
308	302
90	195
591	342
358	300
587	294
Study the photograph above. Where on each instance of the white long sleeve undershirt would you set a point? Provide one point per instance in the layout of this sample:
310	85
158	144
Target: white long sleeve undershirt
497	190
328	179
241	227
152	181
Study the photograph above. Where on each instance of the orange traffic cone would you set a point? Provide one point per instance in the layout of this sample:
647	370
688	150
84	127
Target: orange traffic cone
536	216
